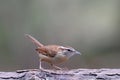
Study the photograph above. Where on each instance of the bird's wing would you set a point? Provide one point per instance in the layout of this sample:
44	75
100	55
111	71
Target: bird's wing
35	41
46	51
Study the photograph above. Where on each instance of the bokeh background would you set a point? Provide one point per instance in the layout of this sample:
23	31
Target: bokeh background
90	26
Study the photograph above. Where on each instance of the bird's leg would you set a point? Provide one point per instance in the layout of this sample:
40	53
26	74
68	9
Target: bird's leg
56	67
40	66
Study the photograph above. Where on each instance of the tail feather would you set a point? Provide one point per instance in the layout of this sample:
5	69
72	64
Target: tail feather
35	41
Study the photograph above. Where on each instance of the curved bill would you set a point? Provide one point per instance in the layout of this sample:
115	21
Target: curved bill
77	52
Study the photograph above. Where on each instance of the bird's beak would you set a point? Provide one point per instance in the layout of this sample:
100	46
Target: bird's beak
77	52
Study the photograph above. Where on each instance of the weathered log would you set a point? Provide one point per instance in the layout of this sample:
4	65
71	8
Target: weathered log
74	74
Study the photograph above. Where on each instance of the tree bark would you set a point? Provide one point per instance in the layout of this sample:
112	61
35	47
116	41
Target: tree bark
75	74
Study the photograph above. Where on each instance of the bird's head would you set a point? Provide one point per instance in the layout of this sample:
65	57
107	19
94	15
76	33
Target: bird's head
68	51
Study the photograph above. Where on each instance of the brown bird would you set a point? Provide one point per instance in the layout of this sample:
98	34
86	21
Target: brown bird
53	54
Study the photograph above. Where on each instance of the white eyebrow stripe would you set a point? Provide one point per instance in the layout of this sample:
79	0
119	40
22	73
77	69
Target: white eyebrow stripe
62	47
67	48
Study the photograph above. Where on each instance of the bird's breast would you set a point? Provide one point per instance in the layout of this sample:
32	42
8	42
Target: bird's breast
59	58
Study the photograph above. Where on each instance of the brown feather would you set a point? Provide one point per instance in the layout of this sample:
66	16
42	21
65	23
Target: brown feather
35	41
48	50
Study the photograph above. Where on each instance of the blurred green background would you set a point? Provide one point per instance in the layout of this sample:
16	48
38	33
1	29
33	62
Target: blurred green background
90	26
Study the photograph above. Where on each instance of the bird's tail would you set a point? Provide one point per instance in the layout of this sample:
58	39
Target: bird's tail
35	41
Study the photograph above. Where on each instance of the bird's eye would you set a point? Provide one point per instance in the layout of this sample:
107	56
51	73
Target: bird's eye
69	50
